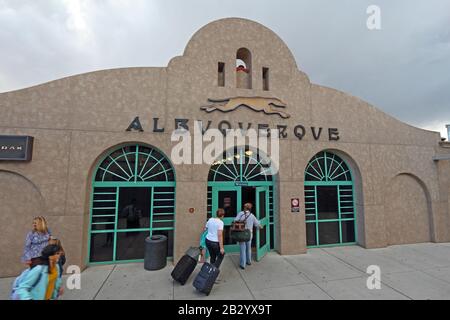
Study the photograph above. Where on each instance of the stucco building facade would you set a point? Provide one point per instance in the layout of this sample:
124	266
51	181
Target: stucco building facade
362	177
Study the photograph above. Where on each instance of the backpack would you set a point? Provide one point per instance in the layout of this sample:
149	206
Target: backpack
18	280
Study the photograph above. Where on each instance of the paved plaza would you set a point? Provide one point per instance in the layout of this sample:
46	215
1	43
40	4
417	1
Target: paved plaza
418	272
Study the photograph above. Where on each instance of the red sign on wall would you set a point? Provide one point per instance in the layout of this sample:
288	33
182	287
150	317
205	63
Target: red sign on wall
295	205
226	202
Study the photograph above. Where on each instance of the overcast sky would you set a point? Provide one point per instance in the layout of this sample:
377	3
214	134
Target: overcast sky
403	69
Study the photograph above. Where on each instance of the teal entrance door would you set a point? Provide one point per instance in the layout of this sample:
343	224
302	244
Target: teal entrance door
262	235
228	198
243	175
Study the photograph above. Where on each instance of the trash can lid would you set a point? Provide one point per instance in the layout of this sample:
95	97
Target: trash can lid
156	238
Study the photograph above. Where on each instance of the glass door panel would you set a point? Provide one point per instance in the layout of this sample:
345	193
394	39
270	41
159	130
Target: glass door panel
262	235
229	199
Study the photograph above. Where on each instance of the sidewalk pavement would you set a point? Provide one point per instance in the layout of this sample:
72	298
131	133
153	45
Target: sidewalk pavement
418	271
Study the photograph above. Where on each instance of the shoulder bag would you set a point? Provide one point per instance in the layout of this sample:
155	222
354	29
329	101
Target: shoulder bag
238	231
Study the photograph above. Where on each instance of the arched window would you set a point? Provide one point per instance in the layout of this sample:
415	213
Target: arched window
327	167
244	69
243	165
133	197
135	163
329	201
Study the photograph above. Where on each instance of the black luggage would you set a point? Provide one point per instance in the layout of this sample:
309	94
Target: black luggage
206	278
193	252
183	269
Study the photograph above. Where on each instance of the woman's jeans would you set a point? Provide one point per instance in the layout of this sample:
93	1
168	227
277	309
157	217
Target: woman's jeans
214	252
246	253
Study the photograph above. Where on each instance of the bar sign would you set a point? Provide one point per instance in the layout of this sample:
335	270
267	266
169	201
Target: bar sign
16	148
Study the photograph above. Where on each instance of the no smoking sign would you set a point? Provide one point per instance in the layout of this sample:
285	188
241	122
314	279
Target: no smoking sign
295	205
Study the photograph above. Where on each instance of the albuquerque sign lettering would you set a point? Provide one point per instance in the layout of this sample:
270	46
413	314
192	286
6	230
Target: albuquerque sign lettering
299	131
269	106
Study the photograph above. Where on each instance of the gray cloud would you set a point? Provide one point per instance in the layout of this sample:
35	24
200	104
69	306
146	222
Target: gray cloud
403	69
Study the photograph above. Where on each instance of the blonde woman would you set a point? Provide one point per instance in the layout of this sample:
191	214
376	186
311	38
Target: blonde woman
36	240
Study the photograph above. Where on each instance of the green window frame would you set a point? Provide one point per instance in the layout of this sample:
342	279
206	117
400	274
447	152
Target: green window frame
243	167
328	170
131	166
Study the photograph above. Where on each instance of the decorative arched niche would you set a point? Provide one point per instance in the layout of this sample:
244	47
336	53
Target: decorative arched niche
244	69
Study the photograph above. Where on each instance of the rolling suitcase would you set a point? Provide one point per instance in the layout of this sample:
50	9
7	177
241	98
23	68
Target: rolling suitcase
193	252
206	278
183	269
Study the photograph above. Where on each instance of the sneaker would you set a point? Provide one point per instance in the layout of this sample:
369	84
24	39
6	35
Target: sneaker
249	263
243	268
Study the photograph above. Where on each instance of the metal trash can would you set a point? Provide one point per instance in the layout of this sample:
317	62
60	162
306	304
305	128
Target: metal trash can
155	257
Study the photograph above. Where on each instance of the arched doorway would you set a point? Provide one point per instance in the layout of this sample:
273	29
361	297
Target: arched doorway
133	196
330	202
244	175
407	210
21	200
